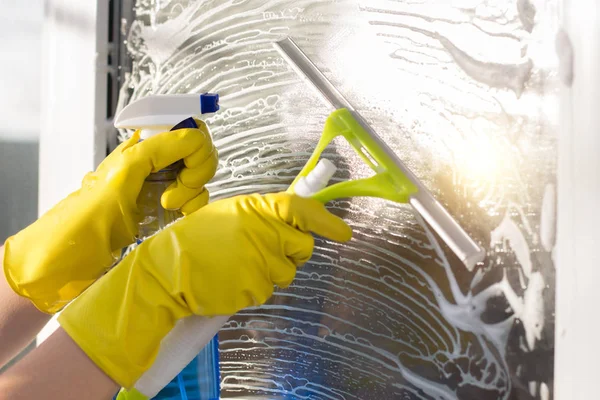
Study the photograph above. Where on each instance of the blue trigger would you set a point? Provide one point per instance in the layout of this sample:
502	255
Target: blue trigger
186	123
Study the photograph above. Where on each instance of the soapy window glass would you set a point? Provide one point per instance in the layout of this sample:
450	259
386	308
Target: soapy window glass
465	93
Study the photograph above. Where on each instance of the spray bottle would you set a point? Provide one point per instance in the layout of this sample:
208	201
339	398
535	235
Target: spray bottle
194	335
153	115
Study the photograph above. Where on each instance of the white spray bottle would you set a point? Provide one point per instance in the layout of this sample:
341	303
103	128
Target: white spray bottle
152	115
190	335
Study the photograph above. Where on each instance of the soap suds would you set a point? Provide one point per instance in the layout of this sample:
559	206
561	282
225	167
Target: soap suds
387	315
533	388
544	392
508	233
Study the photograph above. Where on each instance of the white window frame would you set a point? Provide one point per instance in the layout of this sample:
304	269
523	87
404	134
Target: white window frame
578	234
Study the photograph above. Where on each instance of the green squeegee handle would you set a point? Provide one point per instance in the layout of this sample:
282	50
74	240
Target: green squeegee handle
388	182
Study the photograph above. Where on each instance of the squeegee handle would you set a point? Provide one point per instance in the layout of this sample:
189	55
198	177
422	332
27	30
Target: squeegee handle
421	199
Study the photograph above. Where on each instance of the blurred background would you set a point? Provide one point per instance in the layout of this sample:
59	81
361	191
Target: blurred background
20	59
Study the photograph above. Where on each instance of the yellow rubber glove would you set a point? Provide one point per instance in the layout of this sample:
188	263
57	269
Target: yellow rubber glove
57	257
216	261
130	395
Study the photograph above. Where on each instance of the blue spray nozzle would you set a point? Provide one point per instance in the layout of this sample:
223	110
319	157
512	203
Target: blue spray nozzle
209	103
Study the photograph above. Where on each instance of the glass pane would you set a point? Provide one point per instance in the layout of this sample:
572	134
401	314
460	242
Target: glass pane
465	93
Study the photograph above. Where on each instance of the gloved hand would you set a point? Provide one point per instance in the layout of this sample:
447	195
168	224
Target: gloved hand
216	261
57	257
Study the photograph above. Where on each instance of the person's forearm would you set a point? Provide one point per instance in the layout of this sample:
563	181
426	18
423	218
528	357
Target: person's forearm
57	370
20	321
